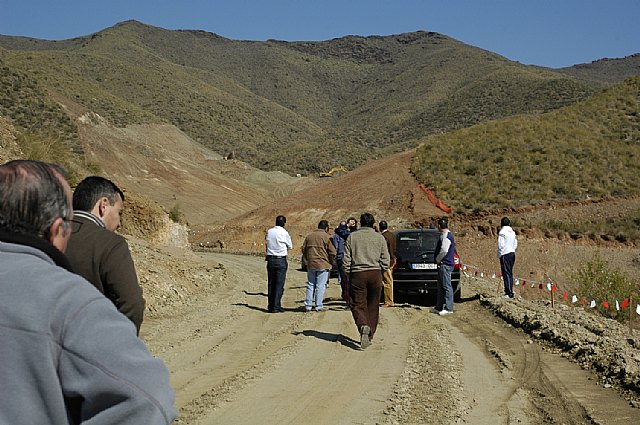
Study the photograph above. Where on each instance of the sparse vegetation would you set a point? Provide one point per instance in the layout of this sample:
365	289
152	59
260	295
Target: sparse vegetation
596	280
176	215
591	149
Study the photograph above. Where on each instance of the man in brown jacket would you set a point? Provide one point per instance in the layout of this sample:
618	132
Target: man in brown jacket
387	277
320	255
99	254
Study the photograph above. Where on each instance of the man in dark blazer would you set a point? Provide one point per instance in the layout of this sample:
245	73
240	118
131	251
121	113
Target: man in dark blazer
99	254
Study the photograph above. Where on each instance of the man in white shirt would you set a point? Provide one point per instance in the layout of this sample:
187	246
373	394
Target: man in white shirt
507	244
277	246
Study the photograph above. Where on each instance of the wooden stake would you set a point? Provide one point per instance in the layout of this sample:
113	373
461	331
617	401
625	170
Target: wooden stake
552	297
631	315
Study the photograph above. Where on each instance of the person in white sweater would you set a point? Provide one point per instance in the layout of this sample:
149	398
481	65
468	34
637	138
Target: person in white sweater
507	245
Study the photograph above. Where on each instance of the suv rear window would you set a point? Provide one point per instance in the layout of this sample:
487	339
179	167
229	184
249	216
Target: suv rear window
417	243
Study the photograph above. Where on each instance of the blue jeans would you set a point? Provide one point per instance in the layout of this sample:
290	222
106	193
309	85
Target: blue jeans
316	282
445	290
276	275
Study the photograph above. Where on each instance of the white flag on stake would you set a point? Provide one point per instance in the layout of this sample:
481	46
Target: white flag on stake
593	303
638	309
574	299
549	286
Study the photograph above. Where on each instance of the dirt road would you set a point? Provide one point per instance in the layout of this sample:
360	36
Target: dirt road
232	363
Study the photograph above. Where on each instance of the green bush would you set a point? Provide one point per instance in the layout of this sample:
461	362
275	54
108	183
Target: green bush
596	280
176	215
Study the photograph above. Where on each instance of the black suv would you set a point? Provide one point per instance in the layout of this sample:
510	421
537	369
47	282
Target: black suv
416	271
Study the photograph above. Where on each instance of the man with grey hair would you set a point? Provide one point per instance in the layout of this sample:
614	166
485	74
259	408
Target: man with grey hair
99	254
67	354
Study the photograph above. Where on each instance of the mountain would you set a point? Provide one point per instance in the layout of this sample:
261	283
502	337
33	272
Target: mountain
297	107
606	70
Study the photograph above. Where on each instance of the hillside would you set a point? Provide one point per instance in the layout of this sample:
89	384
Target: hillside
323	103
582	151
606	70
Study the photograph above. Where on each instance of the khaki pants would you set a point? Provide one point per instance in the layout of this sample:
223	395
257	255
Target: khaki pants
387	284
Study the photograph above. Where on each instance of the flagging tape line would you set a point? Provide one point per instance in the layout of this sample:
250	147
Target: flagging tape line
550	286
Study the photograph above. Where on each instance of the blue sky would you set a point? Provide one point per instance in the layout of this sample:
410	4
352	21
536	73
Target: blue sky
553	33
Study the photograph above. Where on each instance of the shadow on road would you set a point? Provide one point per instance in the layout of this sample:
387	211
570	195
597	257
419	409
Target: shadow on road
326	336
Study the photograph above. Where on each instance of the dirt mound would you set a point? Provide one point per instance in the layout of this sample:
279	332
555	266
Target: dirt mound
384	187
178	173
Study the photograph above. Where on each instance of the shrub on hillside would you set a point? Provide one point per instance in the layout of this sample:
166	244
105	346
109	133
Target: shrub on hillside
596	280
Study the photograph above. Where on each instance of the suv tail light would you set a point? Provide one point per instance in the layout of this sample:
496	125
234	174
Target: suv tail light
456	261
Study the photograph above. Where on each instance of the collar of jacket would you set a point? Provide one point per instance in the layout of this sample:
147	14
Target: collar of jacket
89	216
38	243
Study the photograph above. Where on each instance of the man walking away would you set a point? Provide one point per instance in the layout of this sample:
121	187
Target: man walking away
366	257
67	355
507	245
99	254
320	254
445	249
278	242
387	277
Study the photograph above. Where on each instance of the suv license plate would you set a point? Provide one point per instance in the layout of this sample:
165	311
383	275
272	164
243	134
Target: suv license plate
423	266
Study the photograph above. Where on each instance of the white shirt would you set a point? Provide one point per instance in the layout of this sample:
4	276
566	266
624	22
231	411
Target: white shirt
507	241
278	241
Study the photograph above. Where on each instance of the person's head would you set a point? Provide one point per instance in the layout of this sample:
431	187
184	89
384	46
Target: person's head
35	199
102	198
443	224
323	225
383	226
367	220
505	222
281	220
352	223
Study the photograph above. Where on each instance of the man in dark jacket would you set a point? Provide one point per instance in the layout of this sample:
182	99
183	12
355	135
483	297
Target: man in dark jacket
339	239
99	254
67	355
445	251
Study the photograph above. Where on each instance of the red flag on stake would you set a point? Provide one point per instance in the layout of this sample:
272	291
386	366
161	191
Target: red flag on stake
605	304
625	303
582	301
554	288
565	296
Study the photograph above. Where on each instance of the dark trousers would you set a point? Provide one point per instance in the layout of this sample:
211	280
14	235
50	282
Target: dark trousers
276	275
506	267
344	283
365	289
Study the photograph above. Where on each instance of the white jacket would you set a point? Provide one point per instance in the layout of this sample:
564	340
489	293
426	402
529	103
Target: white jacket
507	241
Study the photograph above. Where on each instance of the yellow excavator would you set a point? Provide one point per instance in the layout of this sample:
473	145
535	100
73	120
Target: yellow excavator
334	171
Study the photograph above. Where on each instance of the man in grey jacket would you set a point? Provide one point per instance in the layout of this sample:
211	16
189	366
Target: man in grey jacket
67	355
366	257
